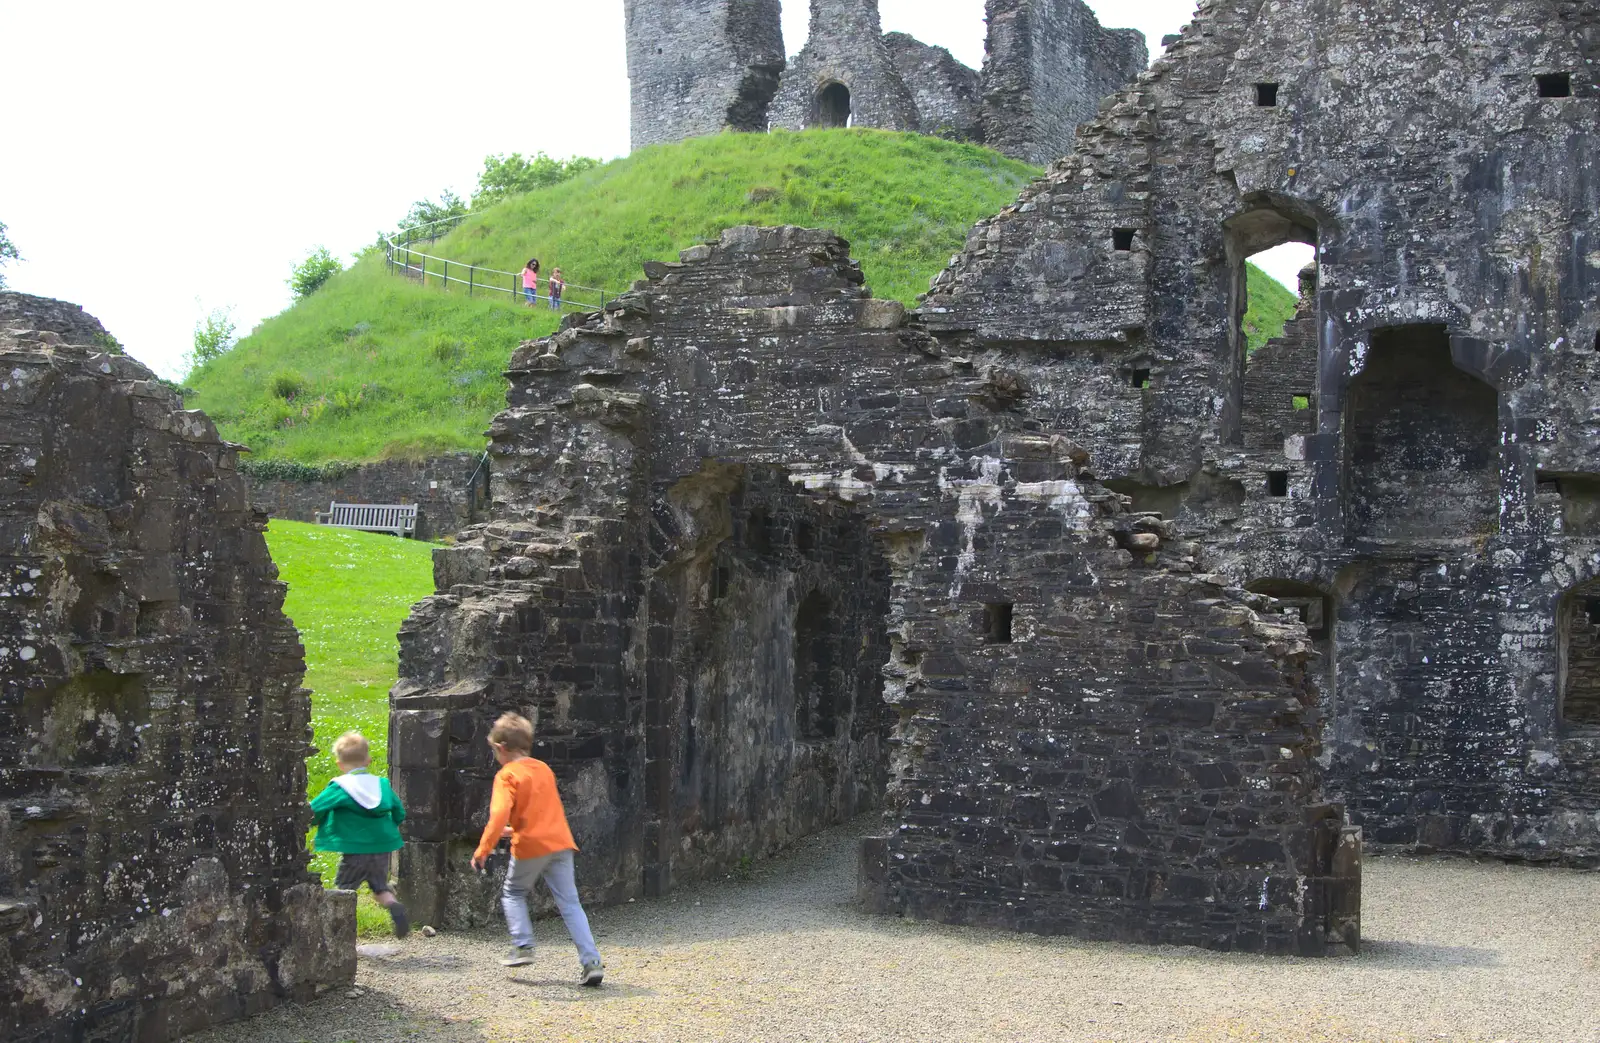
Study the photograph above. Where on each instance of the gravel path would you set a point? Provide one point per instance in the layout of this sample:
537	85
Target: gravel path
1455	951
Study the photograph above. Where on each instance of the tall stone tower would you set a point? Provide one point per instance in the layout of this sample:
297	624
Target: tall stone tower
846	75
1049	63
702	66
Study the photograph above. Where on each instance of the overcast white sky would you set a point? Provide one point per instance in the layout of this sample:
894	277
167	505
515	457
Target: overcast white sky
168	158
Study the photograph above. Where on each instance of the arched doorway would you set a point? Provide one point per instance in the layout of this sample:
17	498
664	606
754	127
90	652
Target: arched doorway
832	106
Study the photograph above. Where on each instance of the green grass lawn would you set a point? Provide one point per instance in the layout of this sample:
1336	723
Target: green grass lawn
348	594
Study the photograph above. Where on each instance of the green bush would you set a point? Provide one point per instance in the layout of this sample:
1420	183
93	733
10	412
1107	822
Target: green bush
311	274
294	471
287	384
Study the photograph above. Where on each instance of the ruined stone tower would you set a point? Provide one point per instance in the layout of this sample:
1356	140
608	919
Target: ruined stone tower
153	731
701	66
845	75
1048	64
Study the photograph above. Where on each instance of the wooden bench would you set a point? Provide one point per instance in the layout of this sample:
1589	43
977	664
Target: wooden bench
398	518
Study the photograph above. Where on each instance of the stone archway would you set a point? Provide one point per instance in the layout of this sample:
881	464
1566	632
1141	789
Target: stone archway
832	106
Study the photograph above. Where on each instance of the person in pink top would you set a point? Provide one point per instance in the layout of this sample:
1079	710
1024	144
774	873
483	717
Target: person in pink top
530	281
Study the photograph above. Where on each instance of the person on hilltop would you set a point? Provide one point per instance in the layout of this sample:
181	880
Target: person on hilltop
526	806
530	281
557	286
359	816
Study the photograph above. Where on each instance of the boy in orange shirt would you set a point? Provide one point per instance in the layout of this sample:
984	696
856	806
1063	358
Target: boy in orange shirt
526	806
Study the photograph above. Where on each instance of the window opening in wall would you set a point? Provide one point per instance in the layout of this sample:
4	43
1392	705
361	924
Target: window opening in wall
1266	95
1421	442
1277	483
1302	401
1579	621
1555	85
1139	378
997	623
1122	239
1272	256
1597	340
805	536
833	106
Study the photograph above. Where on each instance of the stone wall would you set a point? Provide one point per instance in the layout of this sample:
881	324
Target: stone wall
701	66
153	730
948	96
764	555
1437	508
1048	64
450	491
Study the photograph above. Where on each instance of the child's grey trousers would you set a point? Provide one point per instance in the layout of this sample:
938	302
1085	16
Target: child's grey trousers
556	871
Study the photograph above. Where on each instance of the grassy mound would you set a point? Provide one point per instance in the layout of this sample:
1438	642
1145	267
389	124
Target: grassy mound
348	594
375	366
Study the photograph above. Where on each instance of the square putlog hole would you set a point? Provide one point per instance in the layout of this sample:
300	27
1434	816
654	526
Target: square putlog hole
1139	378
1555	85
1122	239
997	623
1277	483
1266	95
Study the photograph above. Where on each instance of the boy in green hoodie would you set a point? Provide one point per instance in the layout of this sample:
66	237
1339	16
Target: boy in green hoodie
359	816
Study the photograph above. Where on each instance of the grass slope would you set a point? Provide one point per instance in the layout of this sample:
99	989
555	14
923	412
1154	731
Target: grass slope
348	594
1271	307
386	368
375	366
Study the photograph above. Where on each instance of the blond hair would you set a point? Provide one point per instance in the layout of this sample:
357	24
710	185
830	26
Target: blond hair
352	748
514	732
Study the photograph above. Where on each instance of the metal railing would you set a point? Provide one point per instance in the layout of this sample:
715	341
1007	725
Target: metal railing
415	264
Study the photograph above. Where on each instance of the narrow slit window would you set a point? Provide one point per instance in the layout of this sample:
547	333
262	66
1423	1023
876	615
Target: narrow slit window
997	623
1555	85
1591	608
1303	401
1278	483
1122	239
1597	340
1266	95
1139	378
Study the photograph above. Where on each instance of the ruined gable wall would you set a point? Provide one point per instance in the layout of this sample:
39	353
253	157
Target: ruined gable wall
701	66
948	95
758	363
846	46
1463	210
1049	63
153	731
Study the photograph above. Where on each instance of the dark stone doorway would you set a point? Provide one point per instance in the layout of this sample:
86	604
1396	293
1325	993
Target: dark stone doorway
833	106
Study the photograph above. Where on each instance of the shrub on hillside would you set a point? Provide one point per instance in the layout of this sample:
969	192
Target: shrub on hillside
294	471
213	336
287	384
308	276
506	176
8	252
429	211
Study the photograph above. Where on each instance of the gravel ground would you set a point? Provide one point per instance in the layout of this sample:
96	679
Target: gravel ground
1455	951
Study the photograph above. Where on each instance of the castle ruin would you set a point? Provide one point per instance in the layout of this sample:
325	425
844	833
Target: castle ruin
703	66
1132	634
153	731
